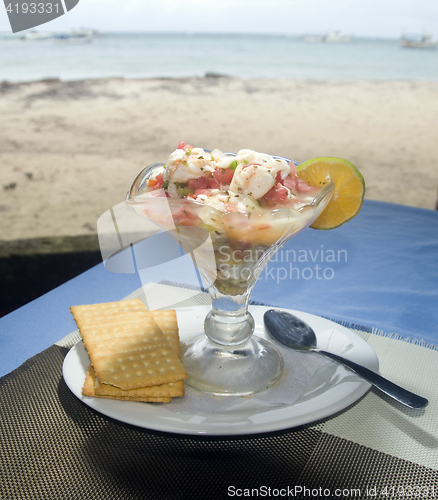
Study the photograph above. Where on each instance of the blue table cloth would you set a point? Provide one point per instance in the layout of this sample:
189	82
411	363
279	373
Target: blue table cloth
379	270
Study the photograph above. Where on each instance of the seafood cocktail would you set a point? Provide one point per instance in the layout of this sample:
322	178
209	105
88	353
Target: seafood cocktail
231	212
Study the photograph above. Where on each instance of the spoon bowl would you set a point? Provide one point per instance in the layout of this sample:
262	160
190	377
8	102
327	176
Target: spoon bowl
294	333
290	330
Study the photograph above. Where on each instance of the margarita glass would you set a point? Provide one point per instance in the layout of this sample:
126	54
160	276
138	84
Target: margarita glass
230	250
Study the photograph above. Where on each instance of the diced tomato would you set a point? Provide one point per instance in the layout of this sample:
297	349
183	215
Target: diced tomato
223	175
156	183
184	146
160	181
291	182
298	185
294	183
277	194
213	184
280	193
200	183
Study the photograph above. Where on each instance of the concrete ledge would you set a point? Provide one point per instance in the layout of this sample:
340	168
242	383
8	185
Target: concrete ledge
49	245
32	267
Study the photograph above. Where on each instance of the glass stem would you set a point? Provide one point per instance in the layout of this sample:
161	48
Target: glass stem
229	323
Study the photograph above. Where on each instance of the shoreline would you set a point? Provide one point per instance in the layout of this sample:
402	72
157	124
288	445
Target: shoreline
70	148
207	75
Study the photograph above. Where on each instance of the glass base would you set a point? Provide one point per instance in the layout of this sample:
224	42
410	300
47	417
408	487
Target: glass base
239	370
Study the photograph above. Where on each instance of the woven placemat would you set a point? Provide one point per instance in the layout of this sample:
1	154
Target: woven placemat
55	447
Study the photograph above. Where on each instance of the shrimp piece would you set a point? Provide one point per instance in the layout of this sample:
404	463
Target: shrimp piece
185	165
254	180
257	173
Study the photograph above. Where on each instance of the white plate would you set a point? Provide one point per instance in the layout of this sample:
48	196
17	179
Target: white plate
332	389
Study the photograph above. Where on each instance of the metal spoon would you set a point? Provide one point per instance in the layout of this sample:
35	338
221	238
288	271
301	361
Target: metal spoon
294	333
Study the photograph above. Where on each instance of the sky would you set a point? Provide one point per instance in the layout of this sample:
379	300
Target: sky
368	18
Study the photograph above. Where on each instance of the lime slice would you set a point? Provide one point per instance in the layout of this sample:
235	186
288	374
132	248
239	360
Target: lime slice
347	197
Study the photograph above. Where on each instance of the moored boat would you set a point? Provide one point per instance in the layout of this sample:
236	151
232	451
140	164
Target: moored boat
337	37
418	42
82	35
331	37
37	35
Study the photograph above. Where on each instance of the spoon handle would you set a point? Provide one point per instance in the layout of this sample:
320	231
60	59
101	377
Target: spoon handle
394	391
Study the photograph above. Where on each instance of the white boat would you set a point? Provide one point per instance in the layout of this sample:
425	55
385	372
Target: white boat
331	37
75	36
337	37
314	38
84	32
37	35
418	42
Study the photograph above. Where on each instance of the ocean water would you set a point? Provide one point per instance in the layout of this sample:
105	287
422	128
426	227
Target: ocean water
140	55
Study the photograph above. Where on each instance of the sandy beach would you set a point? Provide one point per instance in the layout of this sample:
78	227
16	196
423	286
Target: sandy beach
69	150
